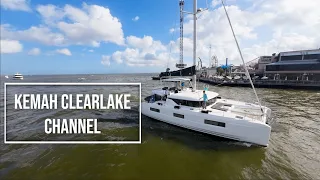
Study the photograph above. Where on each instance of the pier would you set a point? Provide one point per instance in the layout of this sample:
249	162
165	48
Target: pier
293	84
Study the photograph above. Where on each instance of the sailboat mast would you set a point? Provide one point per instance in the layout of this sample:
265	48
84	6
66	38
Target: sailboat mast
194	42
210	64
181	4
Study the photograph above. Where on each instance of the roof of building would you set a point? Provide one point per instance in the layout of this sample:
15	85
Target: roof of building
289	53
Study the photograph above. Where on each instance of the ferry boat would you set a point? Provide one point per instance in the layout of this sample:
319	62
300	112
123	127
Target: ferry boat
17	76
181	105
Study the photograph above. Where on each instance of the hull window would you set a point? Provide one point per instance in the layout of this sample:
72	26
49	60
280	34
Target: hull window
154	109
215	123
178	115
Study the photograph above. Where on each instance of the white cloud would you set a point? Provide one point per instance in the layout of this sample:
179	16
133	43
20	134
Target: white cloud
89	25
105	60
64	51
18	5
40	34
10	46
34	51
50	13
136	18
146	43
91	50
92	25
214	3
261	29
142	52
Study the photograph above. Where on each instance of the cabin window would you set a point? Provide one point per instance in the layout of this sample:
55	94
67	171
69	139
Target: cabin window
215	123
193	103
154	109
157	97
153	98
178	115
187	103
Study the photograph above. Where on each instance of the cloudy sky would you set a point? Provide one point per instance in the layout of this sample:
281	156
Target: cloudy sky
98	36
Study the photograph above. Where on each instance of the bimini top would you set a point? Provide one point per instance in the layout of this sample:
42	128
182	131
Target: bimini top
175	79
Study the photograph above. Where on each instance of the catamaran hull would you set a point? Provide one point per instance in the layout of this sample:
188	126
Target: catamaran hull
251	132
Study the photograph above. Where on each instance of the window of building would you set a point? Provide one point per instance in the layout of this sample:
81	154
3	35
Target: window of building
311	57
293	67
291	58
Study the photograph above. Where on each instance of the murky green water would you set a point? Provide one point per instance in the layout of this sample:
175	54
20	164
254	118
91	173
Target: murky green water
169	152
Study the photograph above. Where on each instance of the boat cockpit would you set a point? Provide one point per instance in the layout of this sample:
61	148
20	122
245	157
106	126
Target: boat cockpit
180	95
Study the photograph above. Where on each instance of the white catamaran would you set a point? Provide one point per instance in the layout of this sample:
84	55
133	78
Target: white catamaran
181	105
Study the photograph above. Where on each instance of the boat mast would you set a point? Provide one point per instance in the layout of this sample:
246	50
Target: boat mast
194	42
181	4
210	59
194	13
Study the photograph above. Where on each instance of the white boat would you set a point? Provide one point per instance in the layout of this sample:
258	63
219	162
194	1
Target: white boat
255	77
222	117
264	78
229	77
6	77
181	105
17	76
237	77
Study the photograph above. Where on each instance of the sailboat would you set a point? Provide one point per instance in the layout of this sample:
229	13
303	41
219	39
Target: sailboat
182	105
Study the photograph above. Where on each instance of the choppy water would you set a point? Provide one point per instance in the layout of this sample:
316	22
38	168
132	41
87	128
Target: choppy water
168	152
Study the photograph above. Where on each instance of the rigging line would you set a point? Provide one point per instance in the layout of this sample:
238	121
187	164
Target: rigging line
245	67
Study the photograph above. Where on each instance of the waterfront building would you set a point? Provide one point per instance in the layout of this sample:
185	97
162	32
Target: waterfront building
294	65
